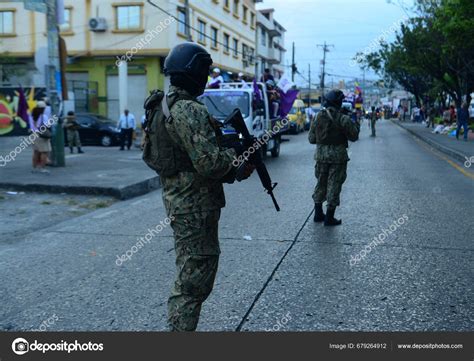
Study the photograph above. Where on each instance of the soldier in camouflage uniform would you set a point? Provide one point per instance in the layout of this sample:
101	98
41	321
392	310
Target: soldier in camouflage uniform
193	192
331	131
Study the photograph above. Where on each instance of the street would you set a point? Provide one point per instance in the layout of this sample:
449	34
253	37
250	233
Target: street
277	271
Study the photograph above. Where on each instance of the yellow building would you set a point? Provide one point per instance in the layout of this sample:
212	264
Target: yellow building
100	32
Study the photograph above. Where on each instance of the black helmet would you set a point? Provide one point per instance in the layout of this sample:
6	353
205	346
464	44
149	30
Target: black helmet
188	61
334	99
188	58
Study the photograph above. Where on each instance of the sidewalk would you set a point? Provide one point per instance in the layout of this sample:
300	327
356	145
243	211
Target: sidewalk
458	149
100	170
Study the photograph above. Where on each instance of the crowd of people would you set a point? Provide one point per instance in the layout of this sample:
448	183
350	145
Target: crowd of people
441	120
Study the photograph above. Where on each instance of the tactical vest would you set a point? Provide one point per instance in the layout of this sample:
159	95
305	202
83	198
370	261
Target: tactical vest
329	130
160	151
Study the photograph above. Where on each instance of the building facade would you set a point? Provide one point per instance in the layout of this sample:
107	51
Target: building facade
99	33
270	44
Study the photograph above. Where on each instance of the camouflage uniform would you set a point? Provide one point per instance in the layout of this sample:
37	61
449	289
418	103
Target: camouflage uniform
194	200
331	159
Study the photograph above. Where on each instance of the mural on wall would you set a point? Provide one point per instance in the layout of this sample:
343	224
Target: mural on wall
10	123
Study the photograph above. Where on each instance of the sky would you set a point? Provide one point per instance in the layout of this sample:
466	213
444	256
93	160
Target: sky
350	25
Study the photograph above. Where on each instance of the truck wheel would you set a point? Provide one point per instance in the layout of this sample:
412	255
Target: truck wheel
276	149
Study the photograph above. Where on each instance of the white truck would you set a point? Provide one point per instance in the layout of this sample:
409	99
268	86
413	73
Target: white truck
256	112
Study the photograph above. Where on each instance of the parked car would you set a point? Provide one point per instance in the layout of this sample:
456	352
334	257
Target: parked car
96	129
297	117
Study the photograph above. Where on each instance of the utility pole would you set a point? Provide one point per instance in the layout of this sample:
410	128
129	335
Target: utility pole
323	73
309	88
186	20
52	74
293	65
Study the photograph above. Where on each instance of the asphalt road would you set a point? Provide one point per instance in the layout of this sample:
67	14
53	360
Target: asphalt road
277	271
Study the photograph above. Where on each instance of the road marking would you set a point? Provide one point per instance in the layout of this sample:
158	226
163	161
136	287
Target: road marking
449	161
103	215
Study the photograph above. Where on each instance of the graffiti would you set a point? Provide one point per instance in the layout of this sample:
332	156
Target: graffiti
10	123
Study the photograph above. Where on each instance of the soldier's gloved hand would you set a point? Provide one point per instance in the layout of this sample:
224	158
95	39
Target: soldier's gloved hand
244	171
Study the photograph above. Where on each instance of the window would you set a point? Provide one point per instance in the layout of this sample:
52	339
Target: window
7	22
181	21
236	8
226	43
244	14
236	47
264	37
252	20
128	17
67	26
214	33
202	32
226	5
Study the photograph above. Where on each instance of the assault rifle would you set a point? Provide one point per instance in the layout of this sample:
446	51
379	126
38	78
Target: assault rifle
236	121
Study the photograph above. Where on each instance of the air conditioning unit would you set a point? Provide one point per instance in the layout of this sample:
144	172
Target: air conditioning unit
98	24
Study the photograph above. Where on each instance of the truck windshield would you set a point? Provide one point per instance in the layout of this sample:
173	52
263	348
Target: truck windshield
222	103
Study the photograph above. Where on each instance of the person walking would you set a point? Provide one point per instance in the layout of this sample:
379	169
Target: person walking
462	120
181	143
373	120
39	126
126	124
331	132
72	132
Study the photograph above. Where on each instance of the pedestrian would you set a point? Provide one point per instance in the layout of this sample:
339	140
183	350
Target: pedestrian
331	132
431	117
192	169
216	80
373	120
462	120
39	126
452	114
126	124
72	132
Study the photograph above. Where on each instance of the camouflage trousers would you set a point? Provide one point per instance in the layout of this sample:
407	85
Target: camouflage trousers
73	138
331	177
197	257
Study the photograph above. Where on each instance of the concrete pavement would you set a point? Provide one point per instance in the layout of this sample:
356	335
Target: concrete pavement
100	171
290	273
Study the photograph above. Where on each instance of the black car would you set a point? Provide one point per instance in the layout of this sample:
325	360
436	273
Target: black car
96	129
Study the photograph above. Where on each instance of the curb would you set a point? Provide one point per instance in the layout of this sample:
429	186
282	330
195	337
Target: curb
448	151
123	193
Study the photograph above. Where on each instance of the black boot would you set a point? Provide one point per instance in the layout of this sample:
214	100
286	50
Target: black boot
318	212
79	150
329	220
71	149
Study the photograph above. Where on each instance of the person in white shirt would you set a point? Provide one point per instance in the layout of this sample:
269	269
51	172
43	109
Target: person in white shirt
126	124
216	79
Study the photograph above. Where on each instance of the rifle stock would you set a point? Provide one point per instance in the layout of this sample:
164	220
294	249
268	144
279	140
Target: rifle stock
236	121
